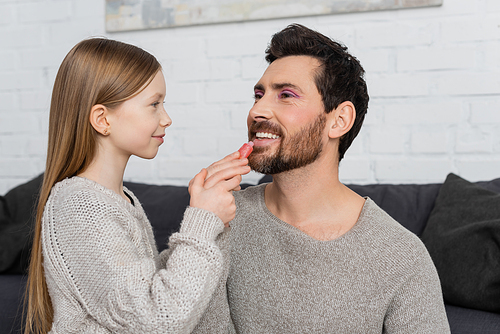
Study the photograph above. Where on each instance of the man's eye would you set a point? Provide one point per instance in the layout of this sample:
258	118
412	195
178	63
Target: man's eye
286	94
258	95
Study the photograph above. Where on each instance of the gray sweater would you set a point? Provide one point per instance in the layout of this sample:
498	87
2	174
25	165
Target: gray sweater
104	272
376	278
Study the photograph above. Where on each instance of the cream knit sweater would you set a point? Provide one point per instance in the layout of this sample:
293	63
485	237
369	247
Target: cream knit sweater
103	270
377	278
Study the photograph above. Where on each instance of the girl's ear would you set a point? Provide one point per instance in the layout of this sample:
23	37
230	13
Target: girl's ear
98	119
342	119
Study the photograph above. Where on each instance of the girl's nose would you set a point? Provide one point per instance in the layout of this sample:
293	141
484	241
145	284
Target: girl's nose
165	120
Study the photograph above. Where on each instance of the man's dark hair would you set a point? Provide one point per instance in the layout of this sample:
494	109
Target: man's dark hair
341	78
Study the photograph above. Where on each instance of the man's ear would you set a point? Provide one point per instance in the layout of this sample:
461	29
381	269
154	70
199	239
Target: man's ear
342	119
98	119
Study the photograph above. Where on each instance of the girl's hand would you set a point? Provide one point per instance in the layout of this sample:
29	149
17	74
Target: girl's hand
223	168
211	189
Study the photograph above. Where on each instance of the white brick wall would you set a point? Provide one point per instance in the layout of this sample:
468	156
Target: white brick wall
433	76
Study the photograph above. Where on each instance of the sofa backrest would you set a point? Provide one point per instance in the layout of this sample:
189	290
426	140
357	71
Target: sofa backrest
409	204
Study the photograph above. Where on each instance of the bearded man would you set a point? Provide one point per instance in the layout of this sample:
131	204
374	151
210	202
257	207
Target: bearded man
308	255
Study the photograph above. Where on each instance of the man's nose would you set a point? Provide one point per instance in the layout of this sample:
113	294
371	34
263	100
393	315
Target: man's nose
261	110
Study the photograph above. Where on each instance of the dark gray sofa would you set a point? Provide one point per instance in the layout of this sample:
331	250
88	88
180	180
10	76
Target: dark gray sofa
411	205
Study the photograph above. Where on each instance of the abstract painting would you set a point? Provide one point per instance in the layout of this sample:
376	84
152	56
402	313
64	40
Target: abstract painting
124	15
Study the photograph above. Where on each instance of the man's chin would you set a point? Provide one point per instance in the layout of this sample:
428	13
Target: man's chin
258	164
268	165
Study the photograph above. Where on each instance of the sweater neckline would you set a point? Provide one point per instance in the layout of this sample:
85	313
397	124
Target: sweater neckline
359	225
135	208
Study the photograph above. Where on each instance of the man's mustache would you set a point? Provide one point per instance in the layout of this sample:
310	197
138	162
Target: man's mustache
265	126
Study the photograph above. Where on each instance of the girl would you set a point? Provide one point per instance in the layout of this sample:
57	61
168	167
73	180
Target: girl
94	265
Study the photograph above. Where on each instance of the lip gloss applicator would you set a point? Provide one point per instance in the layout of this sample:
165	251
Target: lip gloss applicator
246	149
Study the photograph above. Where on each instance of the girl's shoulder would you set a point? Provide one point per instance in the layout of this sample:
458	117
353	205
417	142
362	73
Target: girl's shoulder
79	188
75	195
84	203
79	193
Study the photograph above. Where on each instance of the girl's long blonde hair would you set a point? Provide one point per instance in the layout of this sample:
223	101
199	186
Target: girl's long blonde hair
95	71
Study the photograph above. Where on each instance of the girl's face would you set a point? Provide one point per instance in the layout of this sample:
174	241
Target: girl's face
138	125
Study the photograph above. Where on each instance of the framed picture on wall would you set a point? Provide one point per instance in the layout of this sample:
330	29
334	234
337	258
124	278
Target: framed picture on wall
122	15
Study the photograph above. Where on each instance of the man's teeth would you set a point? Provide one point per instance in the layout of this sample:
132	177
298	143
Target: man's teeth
266	135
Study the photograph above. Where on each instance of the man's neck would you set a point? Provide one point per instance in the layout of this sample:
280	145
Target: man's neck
314	201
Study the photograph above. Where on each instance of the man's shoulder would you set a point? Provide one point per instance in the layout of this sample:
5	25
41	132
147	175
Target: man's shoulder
385	238
250	206
383	225
249	194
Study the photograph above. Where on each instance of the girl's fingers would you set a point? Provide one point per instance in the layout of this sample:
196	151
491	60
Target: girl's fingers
218	199
230	160
198	181
227	186
226	174
232	183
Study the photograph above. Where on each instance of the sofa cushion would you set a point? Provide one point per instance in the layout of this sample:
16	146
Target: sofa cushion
17	217
463	238
12	289
408	204
469	321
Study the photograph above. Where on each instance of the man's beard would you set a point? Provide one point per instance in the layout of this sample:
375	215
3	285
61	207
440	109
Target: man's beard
301	149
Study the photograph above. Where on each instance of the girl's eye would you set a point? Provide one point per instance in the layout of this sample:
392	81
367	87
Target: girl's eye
156	104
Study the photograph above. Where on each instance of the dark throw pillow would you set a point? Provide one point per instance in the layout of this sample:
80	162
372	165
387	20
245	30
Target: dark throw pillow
17	219
463	238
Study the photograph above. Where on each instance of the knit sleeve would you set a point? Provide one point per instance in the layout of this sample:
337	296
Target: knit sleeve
217	319
101	253
417	306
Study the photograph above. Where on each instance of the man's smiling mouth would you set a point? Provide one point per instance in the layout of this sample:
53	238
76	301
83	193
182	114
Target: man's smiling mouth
266	135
